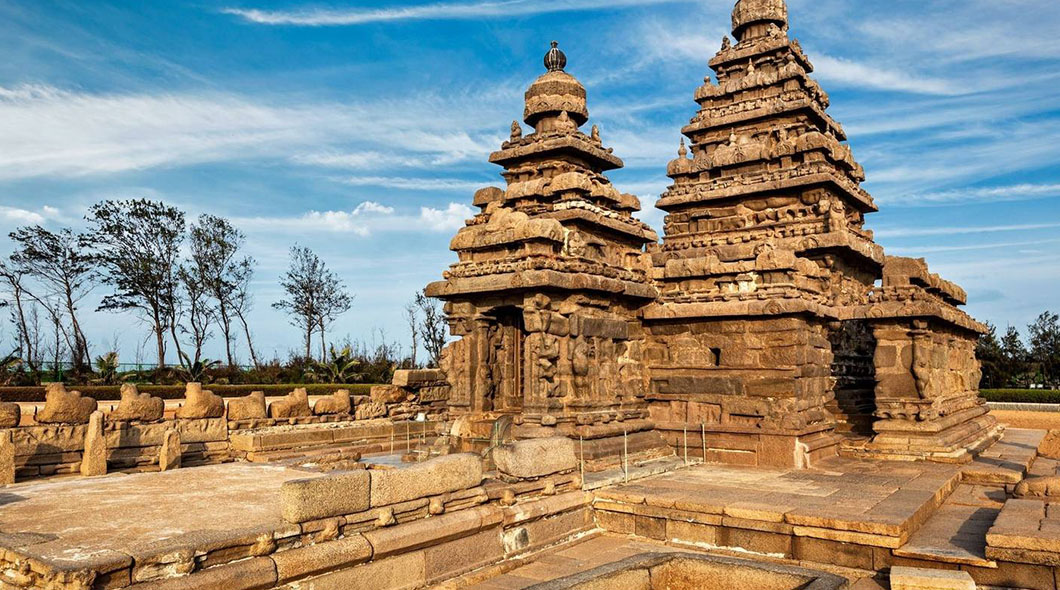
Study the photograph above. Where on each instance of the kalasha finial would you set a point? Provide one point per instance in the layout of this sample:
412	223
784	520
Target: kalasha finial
682	151
555	60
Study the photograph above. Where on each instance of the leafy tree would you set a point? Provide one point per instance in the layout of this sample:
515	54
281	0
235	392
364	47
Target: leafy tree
991	357
1014	358
137	244
107	368
342	367
64	269
433	327
1045	346
215	256
315	296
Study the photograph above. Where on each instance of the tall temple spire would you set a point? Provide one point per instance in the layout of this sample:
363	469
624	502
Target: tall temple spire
749	13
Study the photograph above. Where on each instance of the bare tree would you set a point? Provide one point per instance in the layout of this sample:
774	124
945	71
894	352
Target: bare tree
198	309
315	296
13	278
334	301
137	244
215	253
433	327
412	319
243	302
62	266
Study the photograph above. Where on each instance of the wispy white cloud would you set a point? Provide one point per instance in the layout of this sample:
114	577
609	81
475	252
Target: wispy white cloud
417	184
46	131
367	218
908	232
319	17
921	250
1016	192
847	72
19	216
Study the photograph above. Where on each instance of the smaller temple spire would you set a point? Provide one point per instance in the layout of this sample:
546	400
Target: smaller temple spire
555	59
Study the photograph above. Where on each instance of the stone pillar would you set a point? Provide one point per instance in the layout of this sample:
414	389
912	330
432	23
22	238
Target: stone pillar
94	457
170	455
7	458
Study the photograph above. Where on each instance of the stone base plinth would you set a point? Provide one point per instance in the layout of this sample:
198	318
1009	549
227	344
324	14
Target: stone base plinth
716	443
957	438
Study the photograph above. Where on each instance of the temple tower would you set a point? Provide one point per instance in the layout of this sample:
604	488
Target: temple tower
762	337
550	278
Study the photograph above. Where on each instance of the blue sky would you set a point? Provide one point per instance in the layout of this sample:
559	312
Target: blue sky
361	129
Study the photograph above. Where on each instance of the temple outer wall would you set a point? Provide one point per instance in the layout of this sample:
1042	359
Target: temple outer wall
743	391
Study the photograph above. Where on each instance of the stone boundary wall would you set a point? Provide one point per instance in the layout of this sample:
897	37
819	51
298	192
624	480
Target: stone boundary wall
380	529
215	430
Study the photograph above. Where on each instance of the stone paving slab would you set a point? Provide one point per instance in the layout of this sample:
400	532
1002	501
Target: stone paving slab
76	520
877	503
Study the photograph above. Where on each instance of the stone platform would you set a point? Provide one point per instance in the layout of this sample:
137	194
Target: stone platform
784	512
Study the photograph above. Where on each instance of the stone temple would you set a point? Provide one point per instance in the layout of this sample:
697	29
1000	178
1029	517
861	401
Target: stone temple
767	328
759	398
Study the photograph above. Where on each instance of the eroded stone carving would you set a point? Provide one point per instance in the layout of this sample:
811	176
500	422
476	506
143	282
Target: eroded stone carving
293	405
137	406
200	403
64	407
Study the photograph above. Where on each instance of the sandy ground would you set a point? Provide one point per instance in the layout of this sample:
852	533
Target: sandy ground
1038	420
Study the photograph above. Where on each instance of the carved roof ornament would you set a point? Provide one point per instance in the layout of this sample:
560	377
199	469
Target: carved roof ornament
758	12
555	59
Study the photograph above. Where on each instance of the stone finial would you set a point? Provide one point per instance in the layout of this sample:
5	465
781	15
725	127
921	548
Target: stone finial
249	407
293	405
137	406
94	457
336	403
555	59
7	459
65	407
200	403
682	151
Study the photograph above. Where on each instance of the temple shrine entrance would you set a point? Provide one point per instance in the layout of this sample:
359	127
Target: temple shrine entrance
508	345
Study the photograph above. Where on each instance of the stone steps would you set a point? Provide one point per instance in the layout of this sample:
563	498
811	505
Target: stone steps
955	534
1006	462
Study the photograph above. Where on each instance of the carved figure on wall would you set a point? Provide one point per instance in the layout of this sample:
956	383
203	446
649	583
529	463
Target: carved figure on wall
922	364
517	131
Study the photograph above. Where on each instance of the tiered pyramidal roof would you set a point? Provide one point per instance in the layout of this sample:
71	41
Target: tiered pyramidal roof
560	217
766	182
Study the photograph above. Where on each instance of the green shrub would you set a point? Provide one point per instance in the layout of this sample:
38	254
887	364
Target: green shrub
1033	396
113	392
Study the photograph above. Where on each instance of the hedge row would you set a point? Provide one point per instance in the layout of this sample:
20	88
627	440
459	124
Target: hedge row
113	392
1032	396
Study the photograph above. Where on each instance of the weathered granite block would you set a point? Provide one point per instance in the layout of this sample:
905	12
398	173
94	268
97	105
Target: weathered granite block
323	497
437	476
528	459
